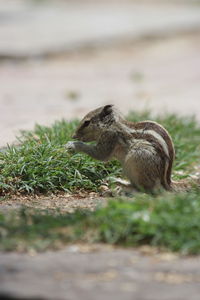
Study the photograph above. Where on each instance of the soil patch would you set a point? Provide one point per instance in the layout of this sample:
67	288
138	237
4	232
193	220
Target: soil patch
64	202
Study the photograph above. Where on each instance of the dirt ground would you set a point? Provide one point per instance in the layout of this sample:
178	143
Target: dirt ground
93	271
161	75
63	201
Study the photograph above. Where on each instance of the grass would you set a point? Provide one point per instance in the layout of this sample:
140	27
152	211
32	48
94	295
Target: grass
41	164
168	221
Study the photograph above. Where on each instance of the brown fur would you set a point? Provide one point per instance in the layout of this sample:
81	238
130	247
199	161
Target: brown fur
145	149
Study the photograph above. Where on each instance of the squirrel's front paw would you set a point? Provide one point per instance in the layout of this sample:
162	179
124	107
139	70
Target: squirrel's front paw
70	146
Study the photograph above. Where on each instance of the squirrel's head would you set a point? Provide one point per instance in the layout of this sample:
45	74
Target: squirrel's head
94	123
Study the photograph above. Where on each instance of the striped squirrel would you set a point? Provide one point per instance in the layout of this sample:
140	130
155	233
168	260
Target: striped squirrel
145	149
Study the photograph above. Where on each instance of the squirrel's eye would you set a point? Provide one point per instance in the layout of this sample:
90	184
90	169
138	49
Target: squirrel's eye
86	123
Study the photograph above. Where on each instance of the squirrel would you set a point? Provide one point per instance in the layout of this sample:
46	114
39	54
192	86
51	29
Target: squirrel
145	149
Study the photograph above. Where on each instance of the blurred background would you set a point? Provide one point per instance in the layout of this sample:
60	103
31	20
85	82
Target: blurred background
59	59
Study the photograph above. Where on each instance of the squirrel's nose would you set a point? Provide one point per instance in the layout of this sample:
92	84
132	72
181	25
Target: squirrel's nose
74	136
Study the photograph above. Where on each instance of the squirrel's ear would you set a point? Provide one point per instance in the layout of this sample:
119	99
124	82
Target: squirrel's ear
107	109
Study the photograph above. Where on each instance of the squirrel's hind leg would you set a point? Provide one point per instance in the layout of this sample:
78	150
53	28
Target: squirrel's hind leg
127	191
123	188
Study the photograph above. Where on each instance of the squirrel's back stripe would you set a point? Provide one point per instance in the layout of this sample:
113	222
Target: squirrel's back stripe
163	132
159	137
150	125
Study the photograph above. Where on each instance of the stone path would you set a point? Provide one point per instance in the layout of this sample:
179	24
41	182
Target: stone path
99	272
